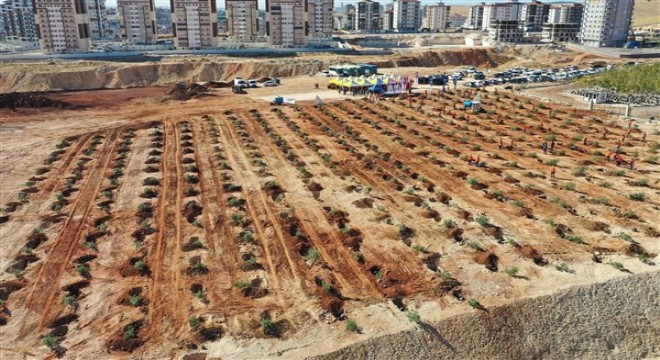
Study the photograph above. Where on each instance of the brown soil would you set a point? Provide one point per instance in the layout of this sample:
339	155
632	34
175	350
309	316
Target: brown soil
347	236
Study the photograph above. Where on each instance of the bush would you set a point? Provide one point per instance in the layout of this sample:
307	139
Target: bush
562	267
351	326
475	246
483	220
617	265
642	182
51	341
414	317
134	300
312	255
474	303
130	332
574	239
637	196
580	171
569	186
448	223
194	322
512	271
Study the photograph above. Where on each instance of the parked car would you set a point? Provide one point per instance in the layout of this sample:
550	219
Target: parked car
457	75
271	83
252	83
479	75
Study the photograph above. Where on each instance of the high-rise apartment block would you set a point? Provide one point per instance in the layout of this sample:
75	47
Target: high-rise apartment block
18	23
98	19
533	15
137	21
286	23
437	16
62	26
194	24
475	18
319	17
407	15
565	13
507	11
367	15
606	23
242	20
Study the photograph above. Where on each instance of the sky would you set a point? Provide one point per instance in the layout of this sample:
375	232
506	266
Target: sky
338	3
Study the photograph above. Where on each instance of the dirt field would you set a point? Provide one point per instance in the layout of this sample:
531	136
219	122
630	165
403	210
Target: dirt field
142	226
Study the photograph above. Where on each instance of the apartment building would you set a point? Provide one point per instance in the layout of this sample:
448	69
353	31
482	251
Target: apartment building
319	18
388	20
286	23
194	24
565	13
407	15
506	31
606	23
62	26
508	11
367	16
437	16
533	15
475	18
137	21
18	23
558	32
98	19
242	20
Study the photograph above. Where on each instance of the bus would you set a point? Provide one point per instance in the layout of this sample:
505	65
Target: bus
352	70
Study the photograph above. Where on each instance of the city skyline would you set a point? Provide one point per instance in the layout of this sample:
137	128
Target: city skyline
262	3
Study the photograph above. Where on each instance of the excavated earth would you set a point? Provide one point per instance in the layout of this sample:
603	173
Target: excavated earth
136	225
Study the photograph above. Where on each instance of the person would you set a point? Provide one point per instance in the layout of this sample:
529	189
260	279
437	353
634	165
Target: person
511	145
470	159
316	86
584	141
630	124
552	145
552	172
501	143
644	136
544	146
618	159
478	160
608	155
632	163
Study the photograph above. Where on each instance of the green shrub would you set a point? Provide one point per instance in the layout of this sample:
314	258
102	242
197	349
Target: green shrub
483	220
414	317
351	326
637	196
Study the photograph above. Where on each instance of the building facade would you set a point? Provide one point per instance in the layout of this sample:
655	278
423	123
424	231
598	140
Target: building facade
437	17
508	11
137	21
533	15
457	20
319	17
565	13
407	15
98	19
242	20
475	18
62	26
506	31
606	23
560	32
286	23
194	24
366	16
388	20
18	23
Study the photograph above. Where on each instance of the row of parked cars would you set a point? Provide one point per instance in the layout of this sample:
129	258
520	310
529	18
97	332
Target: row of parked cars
252	83
526	75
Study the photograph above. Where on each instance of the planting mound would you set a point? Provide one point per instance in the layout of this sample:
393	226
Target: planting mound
31	100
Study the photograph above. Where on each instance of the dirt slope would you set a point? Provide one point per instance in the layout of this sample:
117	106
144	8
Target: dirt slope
85	75
611	320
